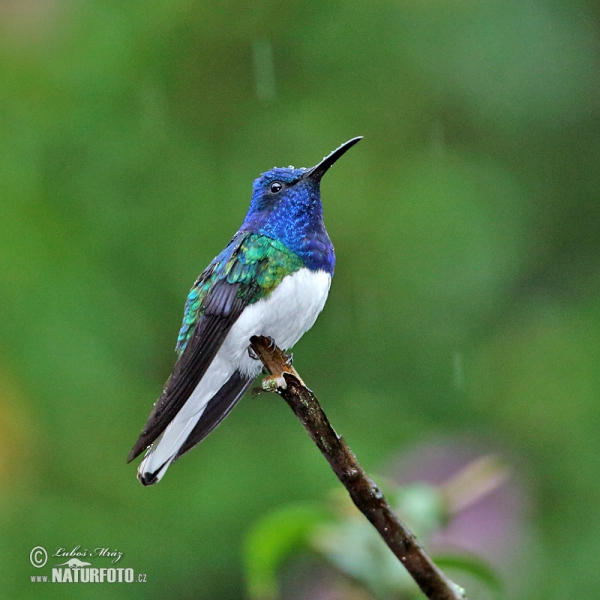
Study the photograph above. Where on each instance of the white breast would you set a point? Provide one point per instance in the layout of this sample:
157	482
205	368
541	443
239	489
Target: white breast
289	312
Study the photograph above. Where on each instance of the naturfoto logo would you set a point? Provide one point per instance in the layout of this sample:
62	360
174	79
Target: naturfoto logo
76	570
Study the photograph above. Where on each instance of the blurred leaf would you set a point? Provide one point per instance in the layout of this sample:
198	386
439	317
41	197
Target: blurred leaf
422	507
474	566
353	545
272	539
355	548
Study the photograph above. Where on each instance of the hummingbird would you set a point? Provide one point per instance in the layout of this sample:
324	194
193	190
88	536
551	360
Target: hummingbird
271	280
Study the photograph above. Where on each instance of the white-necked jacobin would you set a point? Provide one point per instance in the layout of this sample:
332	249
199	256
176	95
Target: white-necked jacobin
271	280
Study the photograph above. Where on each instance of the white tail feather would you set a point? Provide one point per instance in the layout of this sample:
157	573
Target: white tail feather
165	449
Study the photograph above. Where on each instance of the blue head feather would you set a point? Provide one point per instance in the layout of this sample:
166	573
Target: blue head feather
292	215
286	206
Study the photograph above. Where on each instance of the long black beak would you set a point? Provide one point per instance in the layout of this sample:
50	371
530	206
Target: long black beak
319	170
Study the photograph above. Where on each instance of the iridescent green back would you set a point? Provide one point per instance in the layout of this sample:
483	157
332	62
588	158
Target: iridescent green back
255	262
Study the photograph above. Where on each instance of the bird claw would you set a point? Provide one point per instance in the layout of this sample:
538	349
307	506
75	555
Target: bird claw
252	354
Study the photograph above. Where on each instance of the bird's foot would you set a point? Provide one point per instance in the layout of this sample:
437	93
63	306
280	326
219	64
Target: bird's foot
252	354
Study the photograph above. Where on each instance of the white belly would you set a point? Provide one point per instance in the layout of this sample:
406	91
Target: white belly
289	312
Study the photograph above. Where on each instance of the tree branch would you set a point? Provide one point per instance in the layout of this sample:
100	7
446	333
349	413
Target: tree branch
365	494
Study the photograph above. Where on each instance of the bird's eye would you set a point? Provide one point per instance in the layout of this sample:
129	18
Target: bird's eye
276	187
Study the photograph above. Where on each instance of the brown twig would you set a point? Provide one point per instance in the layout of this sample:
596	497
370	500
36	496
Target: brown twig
364	493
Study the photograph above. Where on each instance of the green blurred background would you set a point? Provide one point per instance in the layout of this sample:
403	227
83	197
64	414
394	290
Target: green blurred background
466	299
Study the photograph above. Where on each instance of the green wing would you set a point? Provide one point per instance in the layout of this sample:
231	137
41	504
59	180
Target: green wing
255	264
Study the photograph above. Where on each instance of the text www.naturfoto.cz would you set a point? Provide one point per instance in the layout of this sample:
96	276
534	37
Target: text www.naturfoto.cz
91	575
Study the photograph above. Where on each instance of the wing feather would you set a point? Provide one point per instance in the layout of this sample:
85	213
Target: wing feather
199	352
249	268
217	409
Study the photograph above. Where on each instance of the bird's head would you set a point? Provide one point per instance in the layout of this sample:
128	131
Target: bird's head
287	191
